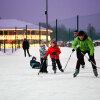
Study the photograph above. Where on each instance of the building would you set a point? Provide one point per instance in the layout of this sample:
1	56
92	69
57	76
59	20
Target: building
13	32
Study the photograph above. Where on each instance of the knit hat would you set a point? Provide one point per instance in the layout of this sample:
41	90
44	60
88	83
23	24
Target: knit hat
33	57
42	45
75	31
81	33
53	41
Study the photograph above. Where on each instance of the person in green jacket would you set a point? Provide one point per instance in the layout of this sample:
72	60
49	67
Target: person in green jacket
85	46
83	62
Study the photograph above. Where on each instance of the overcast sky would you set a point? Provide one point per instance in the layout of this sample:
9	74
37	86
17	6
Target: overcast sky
34	10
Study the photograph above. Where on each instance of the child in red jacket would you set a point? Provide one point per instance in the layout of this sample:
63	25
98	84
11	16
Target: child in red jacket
54	52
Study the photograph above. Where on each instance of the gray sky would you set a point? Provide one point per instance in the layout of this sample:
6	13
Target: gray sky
34	10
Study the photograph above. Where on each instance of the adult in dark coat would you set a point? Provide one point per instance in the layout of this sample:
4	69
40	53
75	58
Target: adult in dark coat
26	47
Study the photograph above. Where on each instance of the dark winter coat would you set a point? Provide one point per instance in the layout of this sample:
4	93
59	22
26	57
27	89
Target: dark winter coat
51	50
25	44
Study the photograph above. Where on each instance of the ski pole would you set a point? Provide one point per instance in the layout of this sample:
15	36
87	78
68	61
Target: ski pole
68	60
41	67
88	58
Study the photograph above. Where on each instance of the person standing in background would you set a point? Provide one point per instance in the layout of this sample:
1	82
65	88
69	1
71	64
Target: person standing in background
26	47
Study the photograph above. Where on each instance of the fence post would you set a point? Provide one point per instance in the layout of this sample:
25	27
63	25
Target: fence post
18	43
4	47
15	38
69	35
26	31
12	46
56	31
0	46
39	33
77	23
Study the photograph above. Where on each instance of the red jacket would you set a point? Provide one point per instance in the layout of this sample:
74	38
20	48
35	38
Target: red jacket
51	50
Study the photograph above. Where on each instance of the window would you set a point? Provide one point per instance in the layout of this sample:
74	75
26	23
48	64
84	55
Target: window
1	32
5	32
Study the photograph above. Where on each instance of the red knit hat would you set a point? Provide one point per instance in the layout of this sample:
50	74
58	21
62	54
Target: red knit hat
53	41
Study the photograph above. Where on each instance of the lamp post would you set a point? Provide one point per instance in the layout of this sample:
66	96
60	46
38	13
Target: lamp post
77	23
26	31
56	31
39	33
4	41
4	44
46	13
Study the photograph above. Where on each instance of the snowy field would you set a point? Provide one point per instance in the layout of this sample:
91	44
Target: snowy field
18	81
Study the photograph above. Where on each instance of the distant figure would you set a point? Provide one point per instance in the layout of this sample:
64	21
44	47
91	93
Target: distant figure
26	47
75	34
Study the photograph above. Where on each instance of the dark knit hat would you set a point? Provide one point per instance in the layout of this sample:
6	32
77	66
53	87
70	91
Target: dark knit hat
81	33
75	31
33	57
42	45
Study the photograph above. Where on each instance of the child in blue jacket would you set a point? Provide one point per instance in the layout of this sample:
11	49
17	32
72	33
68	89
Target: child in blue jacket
34	63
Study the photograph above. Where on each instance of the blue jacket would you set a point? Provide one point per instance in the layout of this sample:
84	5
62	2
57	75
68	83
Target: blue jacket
34	64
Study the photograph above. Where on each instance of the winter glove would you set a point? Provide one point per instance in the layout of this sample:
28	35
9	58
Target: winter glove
73	50
78	50
54	53
90	59
45	58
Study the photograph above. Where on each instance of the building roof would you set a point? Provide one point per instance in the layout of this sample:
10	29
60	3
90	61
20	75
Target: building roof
12	23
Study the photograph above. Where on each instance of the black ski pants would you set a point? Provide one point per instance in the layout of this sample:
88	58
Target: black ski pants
54	61
27	52
44	65
80	59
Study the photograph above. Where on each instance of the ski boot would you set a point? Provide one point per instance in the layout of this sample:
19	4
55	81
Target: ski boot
83	66
95	72
76	73
30	55
61	70
55	70
46	71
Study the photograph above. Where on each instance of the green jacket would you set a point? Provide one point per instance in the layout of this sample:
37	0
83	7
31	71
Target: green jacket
85	45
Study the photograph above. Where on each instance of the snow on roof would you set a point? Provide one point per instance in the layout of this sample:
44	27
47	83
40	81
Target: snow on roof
12	23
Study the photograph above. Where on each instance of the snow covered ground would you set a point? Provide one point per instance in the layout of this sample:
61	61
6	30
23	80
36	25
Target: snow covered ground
18	81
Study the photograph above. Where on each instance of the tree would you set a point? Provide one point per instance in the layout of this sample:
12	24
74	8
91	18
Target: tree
62	32
91	31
